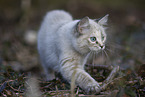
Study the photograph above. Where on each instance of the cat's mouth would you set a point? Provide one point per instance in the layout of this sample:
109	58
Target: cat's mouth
97	48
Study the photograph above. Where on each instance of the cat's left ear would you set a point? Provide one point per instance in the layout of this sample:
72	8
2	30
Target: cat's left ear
103	20
83	25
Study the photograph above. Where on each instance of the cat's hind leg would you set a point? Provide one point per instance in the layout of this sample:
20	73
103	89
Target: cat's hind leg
50	74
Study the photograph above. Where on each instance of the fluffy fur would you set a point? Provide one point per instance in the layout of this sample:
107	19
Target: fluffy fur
65	44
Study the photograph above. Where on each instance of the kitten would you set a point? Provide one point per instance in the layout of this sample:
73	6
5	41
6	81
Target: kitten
65	44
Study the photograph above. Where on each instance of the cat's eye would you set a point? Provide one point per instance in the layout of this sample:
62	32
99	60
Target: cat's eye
93	39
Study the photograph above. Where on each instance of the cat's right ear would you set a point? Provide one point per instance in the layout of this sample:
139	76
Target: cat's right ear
83	25
103	20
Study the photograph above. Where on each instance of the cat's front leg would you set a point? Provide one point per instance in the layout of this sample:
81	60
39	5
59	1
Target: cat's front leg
71	68
86	82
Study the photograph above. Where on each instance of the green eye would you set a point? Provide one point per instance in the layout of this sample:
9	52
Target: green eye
93	39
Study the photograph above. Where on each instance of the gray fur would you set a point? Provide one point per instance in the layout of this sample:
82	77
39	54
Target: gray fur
64	49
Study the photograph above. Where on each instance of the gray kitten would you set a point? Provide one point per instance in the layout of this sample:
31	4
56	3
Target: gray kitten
65	44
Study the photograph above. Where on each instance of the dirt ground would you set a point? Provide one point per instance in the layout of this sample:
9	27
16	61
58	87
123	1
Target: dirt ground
19	61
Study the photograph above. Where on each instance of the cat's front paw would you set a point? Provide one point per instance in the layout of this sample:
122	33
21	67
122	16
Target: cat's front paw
95	89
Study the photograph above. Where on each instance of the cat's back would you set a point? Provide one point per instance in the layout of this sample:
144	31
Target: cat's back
50	25
57	16
54	19
47	36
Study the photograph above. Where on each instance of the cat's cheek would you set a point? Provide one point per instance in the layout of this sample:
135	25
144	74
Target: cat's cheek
95	49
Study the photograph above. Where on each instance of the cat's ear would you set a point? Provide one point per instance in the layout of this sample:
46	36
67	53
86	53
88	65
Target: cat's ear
83	25
103	20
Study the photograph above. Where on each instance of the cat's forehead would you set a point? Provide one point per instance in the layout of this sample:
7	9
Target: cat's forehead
95	26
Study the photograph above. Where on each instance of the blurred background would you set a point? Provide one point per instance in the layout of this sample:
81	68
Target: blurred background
20	21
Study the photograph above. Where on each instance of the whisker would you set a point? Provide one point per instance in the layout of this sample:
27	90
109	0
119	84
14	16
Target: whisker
95	55
102	55
86	58
110	50
107	56
93	59
115	45
113	52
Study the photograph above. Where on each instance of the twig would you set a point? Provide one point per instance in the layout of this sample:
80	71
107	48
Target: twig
60	91
77	91
20	87
56	89
13	88
110	77
108	67
4	95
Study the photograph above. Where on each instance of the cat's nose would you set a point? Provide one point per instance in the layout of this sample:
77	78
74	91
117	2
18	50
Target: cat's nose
102	46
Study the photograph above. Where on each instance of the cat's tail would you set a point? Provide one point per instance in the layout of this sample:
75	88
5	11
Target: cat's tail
57	17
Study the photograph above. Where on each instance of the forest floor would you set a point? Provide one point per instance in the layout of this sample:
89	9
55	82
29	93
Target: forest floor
19	67
21	73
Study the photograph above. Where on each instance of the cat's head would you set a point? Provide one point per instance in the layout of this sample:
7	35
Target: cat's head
90	35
